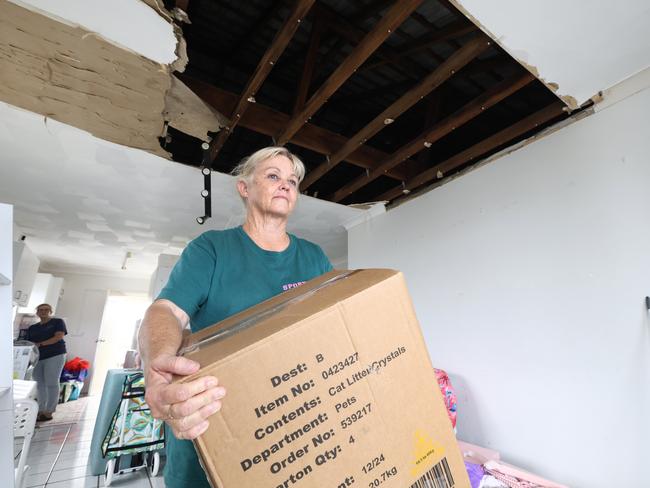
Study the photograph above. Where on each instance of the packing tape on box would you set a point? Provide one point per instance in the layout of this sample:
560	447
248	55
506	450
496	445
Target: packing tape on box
261	315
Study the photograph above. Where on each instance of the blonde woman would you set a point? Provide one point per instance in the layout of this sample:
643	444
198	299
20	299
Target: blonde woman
219	274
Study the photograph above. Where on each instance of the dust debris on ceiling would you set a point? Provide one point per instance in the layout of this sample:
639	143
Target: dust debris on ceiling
75	76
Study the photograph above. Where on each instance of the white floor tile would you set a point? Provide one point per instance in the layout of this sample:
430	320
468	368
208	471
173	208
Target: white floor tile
58	457
43	448
81	455
86	482
69	474
35	479
40	468
85	426
73	462
76	446
35	459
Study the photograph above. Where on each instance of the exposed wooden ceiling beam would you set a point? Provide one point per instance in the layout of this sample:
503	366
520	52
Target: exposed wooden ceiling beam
477	150
432	107
308	68
264	18
393	18
372	93
489	98
452	31
367	11
424	22
265	120
354	34
447	69
275	50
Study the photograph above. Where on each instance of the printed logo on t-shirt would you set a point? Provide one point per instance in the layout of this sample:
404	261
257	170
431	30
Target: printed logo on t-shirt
288	286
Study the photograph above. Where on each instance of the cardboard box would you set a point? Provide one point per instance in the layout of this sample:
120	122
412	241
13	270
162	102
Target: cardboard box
329	385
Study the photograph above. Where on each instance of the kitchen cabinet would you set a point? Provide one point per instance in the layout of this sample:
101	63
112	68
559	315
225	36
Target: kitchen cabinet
46	289
25	265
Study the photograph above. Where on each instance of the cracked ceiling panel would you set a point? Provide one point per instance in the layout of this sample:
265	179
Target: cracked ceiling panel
68	73
577	49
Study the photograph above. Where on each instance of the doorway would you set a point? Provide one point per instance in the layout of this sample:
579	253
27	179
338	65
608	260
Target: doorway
117	334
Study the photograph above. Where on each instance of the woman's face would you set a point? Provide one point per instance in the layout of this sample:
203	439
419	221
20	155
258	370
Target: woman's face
43	312
273	189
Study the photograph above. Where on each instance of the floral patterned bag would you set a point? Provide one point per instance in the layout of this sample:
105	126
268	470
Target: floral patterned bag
133	429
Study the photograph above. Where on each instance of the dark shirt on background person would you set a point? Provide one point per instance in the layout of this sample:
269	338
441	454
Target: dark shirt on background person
38	333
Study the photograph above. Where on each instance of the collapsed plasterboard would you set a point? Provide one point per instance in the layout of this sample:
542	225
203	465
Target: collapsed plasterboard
577	49
67	73
185	111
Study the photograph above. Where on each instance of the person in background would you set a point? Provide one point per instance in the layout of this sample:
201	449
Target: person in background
48	336
219	274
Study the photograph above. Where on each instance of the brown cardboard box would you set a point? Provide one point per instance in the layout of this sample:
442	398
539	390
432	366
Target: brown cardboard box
329	385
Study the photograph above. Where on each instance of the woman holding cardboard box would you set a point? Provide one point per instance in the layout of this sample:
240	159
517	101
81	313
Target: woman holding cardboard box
219	274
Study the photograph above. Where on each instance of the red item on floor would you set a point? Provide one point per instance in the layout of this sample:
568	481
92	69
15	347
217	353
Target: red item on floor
77	364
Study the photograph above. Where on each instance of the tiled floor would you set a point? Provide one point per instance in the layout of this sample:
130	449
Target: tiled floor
58	457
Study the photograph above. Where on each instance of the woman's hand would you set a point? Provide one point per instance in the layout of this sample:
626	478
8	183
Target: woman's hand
185	407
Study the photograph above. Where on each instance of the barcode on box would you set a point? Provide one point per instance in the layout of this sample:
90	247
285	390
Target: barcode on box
437	477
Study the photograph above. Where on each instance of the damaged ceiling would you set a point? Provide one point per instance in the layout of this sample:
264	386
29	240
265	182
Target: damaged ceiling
578	48
378	98
381	99
69	73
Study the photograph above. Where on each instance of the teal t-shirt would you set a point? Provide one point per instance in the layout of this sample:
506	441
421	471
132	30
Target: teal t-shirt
219	274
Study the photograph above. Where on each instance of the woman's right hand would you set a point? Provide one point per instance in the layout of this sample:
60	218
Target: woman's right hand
185	407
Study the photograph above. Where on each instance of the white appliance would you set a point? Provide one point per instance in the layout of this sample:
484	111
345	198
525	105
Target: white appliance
6	345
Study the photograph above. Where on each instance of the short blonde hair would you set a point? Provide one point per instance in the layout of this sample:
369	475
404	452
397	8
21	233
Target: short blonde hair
245	169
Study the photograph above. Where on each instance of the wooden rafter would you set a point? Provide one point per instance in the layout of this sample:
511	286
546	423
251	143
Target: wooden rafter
416	16
280	42
447	69
265	17
477	150
393	18
491	97
452	31
308	68
373	93
265	120
354	34
424	22
369	10
433	107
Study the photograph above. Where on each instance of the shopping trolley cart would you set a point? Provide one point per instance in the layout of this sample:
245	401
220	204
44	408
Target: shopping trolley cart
133	433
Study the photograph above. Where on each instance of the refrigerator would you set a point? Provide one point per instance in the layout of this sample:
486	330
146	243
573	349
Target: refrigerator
6	345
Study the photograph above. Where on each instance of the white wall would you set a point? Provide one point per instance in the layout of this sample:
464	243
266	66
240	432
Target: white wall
529	276
82	308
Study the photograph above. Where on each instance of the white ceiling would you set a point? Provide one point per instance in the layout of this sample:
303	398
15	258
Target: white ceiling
584	46
131	24
84	202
